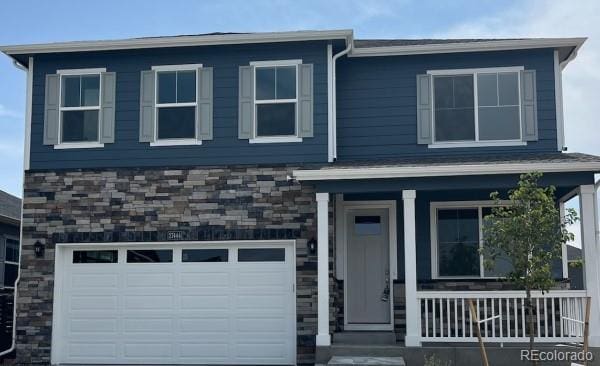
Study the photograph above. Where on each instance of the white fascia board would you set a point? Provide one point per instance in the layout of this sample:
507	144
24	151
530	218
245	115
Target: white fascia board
442	170
178	41
482	46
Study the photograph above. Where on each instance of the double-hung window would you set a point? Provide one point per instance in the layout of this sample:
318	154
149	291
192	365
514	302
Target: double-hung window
456	233
477	107
176	102
11	261
79	111
276	100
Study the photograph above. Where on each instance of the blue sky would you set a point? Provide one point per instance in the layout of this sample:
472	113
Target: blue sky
52	21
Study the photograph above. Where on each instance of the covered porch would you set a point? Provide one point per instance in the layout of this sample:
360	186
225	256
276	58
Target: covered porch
388	266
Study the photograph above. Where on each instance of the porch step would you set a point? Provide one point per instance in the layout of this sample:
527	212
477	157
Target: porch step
366	350
364	338
365	361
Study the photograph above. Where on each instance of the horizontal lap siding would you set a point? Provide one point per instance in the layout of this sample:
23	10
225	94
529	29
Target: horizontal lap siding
225	148
377	102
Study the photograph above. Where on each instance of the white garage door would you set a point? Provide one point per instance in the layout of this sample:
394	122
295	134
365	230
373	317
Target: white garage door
187	304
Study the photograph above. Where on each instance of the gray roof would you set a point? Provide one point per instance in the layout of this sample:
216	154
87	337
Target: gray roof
512	158
363	43
10	206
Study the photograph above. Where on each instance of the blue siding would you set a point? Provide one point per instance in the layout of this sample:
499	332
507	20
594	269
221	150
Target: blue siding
377	102
225	148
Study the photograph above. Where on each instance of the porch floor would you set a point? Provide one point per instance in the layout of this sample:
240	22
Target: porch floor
448	354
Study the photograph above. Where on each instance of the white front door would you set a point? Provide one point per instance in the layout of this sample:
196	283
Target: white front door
176	304
368	282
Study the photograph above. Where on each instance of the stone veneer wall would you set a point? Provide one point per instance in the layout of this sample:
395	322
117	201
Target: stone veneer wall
245	202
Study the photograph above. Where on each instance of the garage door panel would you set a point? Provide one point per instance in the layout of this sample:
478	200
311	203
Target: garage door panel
85	281
148	302
177	313
206	352
261	302
148	325
144	350
205	302
94	350
261	324
97	325
151	280
211	324
211	280
93	303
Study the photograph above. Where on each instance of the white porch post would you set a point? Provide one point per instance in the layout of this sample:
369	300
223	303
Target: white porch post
591	257
413	311
323	337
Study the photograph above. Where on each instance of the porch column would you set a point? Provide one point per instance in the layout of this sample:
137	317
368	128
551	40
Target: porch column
591	257
323	337
413	311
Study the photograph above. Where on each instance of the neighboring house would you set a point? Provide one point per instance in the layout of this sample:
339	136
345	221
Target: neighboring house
574	260
10	232
265	198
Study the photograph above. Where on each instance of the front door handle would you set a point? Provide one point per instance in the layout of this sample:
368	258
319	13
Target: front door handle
385	296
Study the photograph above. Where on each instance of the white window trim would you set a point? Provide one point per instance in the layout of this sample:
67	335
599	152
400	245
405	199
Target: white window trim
274	139
80	144
433	208
182	141
477	142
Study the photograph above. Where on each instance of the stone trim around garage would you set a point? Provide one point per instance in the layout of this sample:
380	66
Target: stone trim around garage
129	205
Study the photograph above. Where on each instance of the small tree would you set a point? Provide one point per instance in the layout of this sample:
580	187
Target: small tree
529	233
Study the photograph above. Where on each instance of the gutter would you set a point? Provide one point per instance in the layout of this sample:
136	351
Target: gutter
332	156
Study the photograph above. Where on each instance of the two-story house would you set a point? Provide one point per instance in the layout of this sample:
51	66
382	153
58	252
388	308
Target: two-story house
268	198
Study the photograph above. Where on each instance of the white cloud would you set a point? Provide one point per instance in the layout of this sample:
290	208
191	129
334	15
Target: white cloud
581	78
5	112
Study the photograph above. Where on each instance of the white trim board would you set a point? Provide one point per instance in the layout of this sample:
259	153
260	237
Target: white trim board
442	170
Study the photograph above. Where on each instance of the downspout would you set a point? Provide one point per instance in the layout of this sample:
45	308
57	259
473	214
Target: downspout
25	167
333	104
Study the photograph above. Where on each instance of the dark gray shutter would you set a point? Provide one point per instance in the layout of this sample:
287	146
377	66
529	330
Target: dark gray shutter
204	114
246	103
51	113
107	105
424	110
147	96
305	100
529	106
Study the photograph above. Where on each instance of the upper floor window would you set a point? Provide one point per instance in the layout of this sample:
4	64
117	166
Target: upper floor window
80	106
176	105
276	101
477	107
